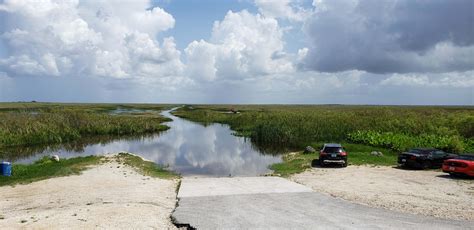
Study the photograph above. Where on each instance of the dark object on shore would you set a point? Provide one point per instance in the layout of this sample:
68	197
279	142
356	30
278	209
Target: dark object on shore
333	154
309	149
5	168
424	158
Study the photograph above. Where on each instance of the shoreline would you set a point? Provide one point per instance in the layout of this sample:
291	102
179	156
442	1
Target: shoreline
108	195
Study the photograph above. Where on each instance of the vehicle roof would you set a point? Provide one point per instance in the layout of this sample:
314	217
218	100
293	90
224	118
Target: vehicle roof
332	145
424	149
464	158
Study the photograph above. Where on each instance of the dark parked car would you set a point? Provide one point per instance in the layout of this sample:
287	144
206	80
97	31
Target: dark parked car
333	154
424	158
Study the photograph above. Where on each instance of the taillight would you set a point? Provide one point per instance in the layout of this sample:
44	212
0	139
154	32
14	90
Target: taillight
412	158
322	153
343	154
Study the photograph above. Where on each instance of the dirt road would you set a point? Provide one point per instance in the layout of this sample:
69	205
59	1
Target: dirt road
107	196
429	193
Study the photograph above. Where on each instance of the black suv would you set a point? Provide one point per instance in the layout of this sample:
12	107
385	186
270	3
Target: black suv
333	154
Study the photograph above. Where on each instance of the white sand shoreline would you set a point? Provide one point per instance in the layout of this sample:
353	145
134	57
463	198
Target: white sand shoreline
109	195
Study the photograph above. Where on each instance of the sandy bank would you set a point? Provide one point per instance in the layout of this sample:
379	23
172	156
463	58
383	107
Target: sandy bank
109	195
430	193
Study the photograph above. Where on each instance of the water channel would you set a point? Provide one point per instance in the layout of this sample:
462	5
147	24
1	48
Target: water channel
187	147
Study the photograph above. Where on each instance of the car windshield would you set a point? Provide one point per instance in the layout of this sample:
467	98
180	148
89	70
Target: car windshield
333	150
466	157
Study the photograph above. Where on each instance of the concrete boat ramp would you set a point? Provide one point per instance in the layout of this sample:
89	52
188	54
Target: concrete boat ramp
276	203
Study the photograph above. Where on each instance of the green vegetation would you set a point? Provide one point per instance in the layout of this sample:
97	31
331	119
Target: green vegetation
293	163
361	154
46	168
402	142
85	107
42	123
358	155
395	127
144	167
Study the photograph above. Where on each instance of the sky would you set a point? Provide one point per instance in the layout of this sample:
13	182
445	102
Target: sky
400	52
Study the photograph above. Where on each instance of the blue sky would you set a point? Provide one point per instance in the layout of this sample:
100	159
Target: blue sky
242	51
194	18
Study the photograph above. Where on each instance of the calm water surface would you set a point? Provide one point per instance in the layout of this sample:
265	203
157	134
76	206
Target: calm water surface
187	147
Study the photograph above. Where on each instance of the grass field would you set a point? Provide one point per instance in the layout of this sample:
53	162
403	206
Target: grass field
392	127
23	124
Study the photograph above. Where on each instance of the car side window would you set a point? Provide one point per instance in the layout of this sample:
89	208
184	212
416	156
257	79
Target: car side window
439	154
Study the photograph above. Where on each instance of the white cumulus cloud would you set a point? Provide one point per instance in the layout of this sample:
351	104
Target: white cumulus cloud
112	39
242	45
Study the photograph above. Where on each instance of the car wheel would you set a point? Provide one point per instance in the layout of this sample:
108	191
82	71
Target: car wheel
321	163
345	164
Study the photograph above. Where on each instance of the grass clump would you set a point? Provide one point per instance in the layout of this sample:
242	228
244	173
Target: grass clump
46	168
144	167
293	163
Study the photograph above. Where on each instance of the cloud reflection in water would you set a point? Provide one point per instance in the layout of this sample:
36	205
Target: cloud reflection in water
190	149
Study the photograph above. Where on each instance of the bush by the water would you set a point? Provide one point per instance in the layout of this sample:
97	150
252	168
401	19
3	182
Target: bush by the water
395	127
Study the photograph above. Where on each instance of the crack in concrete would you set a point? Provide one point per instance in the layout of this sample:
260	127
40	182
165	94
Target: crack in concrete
177	223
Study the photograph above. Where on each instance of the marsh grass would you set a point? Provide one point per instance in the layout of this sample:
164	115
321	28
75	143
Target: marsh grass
394	127
46	168
144	167
61	123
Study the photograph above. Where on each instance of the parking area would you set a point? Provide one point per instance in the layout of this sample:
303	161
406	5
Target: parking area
423	192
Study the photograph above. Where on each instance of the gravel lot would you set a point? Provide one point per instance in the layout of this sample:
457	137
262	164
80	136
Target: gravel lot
429	193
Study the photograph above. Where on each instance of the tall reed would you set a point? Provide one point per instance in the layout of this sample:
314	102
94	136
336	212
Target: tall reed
449	128
63	125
